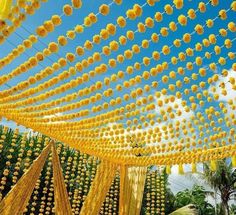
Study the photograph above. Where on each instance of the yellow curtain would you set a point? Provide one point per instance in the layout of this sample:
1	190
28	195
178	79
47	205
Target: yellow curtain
16	200
5	8
62	203
100	186
132	181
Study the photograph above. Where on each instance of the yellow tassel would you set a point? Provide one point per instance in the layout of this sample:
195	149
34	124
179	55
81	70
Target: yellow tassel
181	169
233	159
5	8
194	168
168	169
213	166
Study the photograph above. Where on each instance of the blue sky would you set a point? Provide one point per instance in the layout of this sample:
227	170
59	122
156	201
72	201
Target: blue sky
50	8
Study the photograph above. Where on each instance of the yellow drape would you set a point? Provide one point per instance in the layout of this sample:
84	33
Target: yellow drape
62	203
131	189
16	200
100	186
5	8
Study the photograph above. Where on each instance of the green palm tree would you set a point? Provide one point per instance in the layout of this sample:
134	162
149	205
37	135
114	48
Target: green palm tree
222	181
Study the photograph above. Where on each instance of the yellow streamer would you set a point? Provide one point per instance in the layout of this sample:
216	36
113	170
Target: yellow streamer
168	169
233	161
131	189
62	203
194	168
16	200
181	169
105	175
213	165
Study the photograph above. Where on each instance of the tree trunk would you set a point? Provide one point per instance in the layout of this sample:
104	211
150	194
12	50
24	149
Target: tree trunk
225	207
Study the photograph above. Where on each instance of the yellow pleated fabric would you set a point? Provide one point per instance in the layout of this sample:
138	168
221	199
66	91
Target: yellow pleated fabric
62	203
5	8
100	186
16	200
131	189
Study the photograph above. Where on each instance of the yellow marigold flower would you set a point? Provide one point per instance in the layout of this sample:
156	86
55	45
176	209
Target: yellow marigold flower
33	38
182	19
62	40
120	58
223	14
87	21
104	34
145	44
178	3
76	3
121	21
138	10
79	29
114	45
68	10
187	38
199	29
165	50
191	14
141	27
202	7
41	31
80	50
128	54
112	63
27	43
209	23
70	34
111	29
88	45
70	57
106	50
158	17
56	20
131	14
232	26
130	35
149	22
96	39
168	9
104	9
49	26
172	26
53	47
39	56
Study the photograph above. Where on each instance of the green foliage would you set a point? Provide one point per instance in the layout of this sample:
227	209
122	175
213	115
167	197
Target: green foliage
196	196
222	181
232	210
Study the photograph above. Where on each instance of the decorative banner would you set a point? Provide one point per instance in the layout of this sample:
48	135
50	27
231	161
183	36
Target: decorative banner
5	8
132	181
105	175
62	203
16	200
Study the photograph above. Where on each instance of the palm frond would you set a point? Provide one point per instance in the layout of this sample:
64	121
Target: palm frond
186	210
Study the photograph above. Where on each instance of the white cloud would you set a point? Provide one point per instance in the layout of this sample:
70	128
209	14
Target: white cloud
231	93
176	105
228	87
52	115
